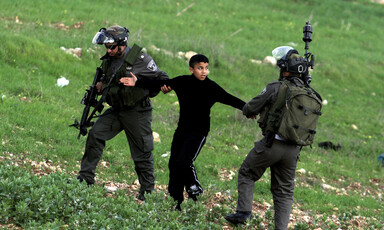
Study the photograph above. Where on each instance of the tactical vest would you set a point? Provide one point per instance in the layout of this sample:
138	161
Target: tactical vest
294	114
120	95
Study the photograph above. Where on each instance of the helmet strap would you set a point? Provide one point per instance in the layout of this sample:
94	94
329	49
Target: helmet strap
120	51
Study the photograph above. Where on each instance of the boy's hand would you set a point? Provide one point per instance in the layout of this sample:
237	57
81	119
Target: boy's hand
166	89
129	81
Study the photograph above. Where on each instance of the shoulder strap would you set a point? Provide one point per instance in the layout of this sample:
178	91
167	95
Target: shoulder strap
133	54
275	112
282	96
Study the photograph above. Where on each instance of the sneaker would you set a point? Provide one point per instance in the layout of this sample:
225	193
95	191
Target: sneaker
178	207
194	190
238	217
193	197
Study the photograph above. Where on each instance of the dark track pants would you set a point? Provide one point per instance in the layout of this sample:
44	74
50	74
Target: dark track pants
136	123
185	148
282	160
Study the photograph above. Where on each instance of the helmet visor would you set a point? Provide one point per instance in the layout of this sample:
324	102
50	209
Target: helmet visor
279	52
102	37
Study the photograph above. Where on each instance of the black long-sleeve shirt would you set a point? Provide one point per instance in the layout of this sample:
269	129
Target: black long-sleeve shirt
196	99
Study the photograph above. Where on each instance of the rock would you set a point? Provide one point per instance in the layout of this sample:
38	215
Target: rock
270	60
189	54
156	137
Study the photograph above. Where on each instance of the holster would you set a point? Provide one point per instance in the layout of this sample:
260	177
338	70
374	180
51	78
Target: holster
145	102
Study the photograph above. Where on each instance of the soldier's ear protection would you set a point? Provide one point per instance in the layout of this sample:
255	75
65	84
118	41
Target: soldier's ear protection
283	62
294	65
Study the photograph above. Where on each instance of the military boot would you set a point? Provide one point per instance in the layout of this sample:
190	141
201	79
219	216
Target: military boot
141	195
238	217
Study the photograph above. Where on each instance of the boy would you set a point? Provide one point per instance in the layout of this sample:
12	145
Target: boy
197	94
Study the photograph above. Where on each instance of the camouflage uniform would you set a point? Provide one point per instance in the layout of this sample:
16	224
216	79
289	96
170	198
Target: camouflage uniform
273	152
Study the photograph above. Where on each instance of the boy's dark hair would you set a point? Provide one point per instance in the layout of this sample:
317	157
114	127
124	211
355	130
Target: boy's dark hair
197	58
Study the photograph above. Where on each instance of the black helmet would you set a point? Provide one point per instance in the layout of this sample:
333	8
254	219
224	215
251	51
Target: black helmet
289	60
114	34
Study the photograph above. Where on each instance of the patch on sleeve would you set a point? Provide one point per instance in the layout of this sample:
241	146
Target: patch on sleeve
152	66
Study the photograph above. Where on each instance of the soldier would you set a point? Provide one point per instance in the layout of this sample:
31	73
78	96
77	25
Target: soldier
272	151
130	110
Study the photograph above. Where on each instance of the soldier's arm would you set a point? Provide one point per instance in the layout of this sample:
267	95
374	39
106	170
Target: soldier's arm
255	106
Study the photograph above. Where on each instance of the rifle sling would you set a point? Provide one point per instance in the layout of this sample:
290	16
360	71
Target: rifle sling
281	97
133	54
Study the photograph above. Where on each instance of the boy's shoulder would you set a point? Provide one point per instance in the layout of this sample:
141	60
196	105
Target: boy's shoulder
184	78
210	81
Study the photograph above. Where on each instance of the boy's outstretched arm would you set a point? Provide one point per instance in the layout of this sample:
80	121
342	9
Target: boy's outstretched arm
131	81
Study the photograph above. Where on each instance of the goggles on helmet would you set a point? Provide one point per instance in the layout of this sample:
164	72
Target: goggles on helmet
102	37
281	51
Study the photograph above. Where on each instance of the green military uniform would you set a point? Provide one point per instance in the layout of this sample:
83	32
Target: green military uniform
273	152
131	111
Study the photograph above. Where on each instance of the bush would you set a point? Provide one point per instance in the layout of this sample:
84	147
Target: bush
54	202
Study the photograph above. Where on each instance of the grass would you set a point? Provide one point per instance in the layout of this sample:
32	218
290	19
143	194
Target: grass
35	114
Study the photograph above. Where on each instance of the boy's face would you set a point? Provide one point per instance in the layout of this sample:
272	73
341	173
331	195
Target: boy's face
200	70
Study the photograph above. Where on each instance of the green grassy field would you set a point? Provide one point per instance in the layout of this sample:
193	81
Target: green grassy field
40	152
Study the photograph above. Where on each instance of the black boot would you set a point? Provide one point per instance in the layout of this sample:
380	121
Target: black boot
81	179
141	195
238	217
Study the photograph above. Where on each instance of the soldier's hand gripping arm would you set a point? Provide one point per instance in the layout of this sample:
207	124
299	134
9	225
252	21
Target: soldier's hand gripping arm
166	89
129	81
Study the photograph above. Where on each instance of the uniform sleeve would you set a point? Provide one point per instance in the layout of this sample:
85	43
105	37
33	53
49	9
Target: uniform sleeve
146	67
226	98
268	95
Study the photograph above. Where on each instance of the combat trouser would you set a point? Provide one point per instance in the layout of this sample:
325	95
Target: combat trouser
136	123
282	158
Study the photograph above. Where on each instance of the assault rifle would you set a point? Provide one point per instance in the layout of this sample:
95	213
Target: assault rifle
89	100
90	97
309	57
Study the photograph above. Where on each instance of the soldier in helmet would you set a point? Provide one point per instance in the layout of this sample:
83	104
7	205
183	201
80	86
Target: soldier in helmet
130	110
272	151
